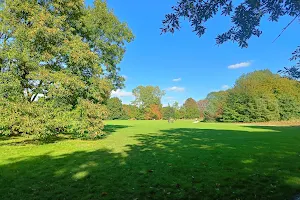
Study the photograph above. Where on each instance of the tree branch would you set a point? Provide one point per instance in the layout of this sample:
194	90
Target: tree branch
286	27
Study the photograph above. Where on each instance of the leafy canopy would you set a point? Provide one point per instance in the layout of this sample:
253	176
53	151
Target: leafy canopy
58	65
191	109
145	96
115	109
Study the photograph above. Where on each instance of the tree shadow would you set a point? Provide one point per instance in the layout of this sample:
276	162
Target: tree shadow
3	137
108	128
31	140
181	163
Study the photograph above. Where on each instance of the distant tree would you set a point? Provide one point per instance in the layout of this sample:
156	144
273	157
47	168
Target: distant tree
202	104
216	102
132	112
182	112
153	112
191	109
177	114
115	108
263	96
168	112
147	95
245	16
58	65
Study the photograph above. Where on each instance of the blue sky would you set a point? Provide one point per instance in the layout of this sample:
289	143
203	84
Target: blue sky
197	63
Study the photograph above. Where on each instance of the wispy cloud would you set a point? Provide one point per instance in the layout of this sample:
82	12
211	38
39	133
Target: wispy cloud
240	65
225	87
121	93
177	79
176	89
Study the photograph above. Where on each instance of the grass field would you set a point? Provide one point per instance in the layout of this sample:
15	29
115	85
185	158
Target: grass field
156	160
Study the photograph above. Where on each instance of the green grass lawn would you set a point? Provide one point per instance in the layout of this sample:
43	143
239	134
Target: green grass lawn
156	160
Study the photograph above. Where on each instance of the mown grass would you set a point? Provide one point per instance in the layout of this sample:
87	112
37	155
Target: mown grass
156	160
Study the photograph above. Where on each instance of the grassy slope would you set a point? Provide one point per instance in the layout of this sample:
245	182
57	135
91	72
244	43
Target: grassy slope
157	160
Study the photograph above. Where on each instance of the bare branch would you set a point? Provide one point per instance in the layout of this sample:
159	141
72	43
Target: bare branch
286	27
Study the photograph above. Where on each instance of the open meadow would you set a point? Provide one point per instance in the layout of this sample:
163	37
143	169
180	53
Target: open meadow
156	160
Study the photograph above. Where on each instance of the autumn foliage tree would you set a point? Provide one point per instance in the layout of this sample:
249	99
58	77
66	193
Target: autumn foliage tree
58	65
153	112
148	100
202	105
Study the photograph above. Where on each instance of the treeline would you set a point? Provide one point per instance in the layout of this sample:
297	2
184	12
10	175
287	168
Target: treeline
117	110
147	106
259	96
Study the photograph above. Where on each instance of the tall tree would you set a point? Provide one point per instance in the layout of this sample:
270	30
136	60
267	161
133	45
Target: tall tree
245	17
202	105
177	113
65	53
216	102
115	109
168	112
147	95
191	109
153	112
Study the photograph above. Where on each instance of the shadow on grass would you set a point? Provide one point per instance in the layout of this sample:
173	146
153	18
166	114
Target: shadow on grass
20	141
3	137
108	129
181	163
30	140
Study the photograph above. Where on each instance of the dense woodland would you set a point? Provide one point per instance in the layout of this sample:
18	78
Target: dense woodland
259	96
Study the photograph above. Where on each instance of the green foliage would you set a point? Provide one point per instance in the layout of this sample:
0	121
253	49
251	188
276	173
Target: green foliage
148	101
216	101
132	112
191	110
58	65
168	112
115	109
177	113
262	96
147	95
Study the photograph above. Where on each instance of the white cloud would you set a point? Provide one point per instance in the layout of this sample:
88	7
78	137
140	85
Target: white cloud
125	77
225	87
177	79
176	89
240	65
121	93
